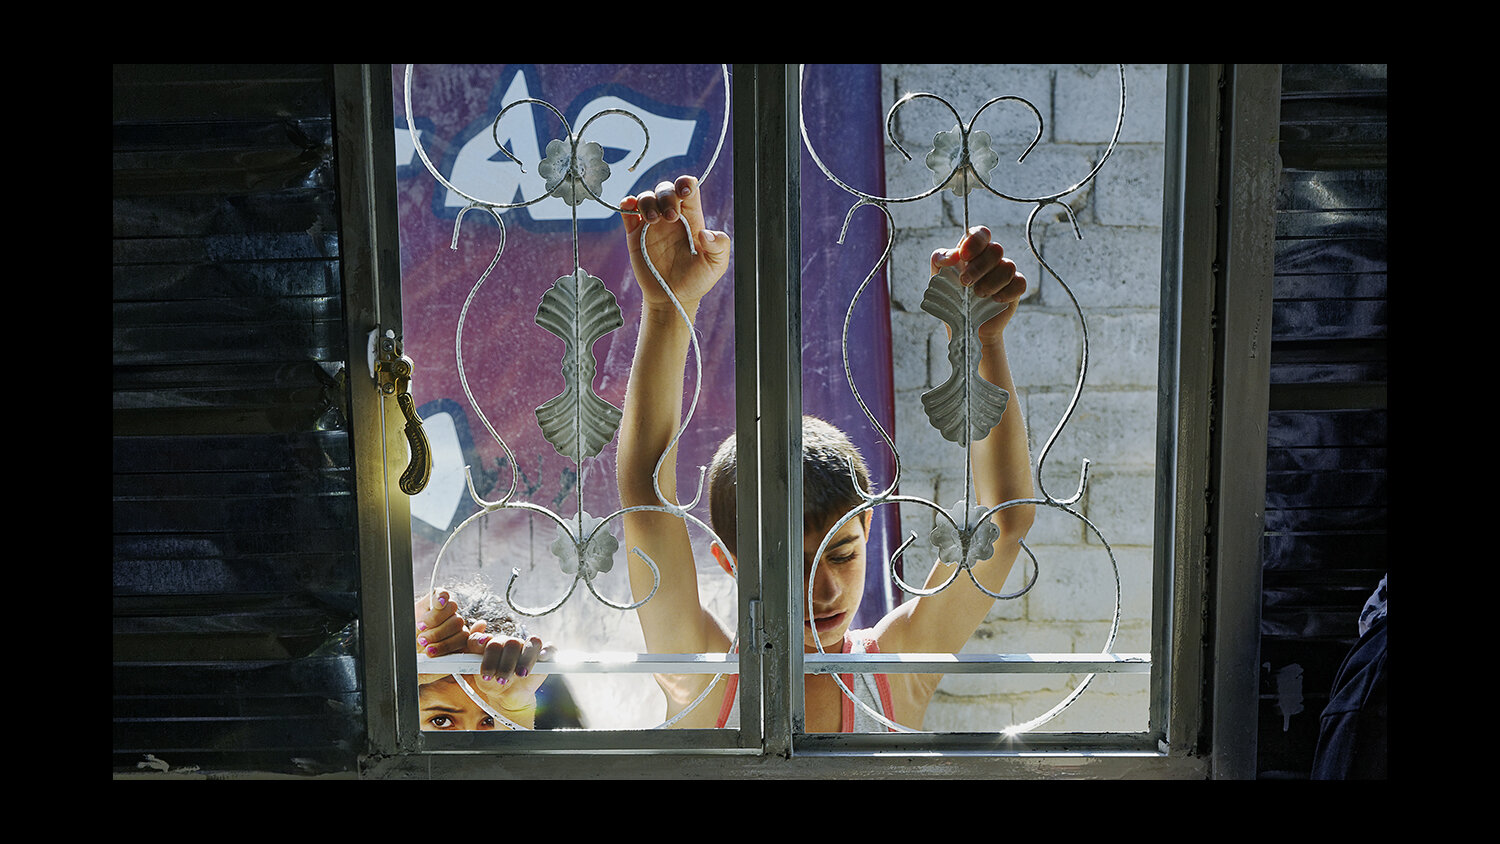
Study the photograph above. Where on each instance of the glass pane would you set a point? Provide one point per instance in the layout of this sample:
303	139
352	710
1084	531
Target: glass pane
898	351
486	147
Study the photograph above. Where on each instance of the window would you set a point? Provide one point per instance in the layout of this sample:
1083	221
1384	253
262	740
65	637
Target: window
764	139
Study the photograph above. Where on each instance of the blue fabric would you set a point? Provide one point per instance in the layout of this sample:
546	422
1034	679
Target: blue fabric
1352	735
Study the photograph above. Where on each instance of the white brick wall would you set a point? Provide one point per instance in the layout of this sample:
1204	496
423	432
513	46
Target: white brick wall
1114	272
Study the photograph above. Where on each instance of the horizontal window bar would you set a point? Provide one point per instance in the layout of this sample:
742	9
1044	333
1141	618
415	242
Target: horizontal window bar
566	662
1132	663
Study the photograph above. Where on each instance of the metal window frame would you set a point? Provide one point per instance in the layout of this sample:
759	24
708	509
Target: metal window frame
1217	232
1198	598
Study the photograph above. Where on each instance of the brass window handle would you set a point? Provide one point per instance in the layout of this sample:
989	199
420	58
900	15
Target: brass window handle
419	470
393	372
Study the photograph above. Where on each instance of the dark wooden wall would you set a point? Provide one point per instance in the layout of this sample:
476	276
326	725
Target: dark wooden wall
1325	542
236	580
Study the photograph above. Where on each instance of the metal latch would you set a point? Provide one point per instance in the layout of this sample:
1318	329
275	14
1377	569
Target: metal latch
392	371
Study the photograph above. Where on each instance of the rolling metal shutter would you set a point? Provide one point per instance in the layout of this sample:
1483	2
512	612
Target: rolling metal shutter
236	577
1324	548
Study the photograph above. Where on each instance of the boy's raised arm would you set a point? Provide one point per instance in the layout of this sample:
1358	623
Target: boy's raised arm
1002	465
674	620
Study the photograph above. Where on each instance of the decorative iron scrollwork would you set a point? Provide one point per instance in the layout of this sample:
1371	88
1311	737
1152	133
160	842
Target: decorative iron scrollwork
965	407
579	309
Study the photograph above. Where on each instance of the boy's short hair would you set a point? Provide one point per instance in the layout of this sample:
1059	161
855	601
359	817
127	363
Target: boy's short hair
828	490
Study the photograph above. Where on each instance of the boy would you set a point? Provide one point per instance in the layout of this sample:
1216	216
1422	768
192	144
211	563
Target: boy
674	620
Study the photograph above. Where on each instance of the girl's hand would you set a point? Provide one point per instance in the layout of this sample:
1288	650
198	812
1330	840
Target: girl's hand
440	629
507	677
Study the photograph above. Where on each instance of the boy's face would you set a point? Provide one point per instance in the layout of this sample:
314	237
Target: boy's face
444	706
840	583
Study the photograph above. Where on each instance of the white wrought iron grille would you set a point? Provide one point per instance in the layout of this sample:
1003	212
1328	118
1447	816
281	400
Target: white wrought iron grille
965	406
578	309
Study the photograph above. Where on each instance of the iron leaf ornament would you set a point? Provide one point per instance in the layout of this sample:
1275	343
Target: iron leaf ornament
579	309
573	178
965	407
969	539
588	552
951	164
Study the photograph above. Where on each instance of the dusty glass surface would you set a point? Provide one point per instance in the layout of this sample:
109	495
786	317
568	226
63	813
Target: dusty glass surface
519	370
1040	155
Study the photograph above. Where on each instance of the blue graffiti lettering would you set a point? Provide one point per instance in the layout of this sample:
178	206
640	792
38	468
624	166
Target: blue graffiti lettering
480	170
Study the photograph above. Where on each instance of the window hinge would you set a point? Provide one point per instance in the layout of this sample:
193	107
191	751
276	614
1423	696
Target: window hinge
757	635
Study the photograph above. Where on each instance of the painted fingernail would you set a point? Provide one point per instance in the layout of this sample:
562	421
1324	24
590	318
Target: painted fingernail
442	600
421	625
421	640
521	672
432	651
484	677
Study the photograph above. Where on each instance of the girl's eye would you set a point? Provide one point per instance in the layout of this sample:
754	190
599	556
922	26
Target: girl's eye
442	722
840	560
487	724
